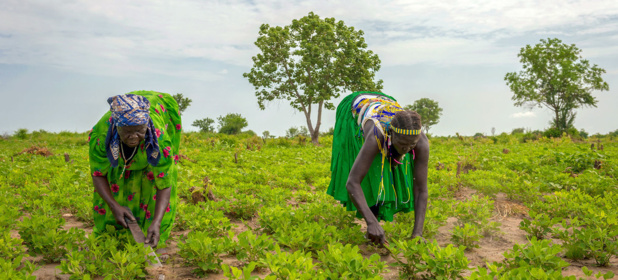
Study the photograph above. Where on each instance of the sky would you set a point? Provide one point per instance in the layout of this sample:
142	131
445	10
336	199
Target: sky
61	60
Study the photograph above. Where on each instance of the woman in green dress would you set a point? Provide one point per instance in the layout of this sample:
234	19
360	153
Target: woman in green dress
379	161
133	157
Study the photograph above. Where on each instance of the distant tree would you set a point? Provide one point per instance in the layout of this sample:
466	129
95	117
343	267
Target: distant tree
518	131
303	131
265	134
205	125
232	123
310	62
330	131
183	102
292	132
429	110
21	133
493	131
557	77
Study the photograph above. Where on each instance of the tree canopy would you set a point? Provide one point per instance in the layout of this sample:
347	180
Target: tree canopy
183	102
429	110
205	125
310	62
232	123
554	75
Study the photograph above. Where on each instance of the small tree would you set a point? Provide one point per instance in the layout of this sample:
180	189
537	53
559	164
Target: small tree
557	77
311	62
429	110
232	123
303	131
205	125
292	132
493	131
183	102
265	134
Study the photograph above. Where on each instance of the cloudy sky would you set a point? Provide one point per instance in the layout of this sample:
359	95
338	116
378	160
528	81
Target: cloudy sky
60	60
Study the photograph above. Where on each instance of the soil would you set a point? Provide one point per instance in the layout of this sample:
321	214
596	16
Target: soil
508	213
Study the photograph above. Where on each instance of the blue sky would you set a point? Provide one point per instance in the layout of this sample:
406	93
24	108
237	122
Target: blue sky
60	60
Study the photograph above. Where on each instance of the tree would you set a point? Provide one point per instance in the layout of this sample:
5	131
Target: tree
183	102
310	62
554	75
231	123
493	131
265	134
429	110
292	132
205	125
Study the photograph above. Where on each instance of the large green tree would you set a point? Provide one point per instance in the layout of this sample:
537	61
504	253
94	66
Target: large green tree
429	110
554	75
310	62
231	123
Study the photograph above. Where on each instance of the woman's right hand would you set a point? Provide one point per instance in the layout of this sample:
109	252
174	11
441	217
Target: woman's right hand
375	234
121	212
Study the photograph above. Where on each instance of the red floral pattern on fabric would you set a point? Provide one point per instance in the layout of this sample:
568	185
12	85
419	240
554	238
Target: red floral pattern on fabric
130	197
102	211
115	188
166	153
97	174
178	126
161	175
150	176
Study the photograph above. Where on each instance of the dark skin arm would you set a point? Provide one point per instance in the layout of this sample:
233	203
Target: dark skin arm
419	188
361	165
153	233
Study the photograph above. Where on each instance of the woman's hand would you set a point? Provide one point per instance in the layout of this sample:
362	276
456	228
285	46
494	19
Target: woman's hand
152	236
120	213
375	234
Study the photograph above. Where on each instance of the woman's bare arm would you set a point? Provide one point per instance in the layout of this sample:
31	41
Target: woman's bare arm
421	163
359	169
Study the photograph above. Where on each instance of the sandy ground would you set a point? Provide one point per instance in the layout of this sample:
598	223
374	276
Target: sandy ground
508	213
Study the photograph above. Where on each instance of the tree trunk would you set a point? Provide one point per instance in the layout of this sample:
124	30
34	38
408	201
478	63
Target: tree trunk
315	134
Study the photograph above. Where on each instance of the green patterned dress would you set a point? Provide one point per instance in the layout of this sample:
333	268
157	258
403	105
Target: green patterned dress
137	187
387	186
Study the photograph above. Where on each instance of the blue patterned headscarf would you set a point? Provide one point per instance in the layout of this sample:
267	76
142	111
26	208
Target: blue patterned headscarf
130	110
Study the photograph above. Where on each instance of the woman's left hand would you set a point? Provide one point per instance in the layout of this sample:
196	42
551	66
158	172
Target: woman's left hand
152	236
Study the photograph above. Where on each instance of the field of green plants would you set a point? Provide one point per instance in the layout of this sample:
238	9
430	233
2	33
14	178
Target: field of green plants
500	207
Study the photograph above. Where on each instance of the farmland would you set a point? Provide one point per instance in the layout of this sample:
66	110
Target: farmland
498	207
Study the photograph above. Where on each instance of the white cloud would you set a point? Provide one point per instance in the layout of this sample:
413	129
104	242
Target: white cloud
528	114
116	37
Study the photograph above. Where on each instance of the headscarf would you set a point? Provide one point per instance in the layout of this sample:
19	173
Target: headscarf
130	110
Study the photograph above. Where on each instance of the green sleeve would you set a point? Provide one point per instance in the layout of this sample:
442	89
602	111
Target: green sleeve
99	164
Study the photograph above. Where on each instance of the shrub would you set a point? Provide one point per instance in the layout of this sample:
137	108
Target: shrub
428	259
201	251
21	133
345	262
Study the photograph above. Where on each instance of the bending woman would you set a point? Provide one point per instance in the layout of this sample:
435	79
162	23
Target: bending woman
133	157
379	161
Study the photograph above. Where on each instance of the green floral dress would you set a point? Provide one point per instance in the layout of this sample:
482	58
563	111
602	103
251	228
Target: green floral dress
137	187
